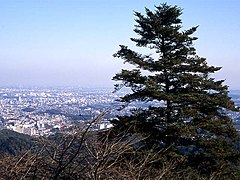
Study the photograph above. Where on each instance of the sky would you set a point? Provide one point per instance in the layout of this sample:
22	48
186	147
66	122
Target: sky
71	42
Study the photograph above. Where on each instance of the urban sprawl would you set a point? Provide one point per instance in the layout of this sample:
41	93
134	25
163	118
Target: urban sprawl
45	111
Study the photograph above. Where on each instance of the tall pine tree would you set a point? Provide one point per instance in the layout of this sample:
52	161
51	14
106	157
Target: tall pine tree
188	106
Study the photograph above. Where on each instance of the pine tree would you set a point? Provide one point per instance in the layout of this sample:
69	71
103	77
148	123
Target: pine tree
188	108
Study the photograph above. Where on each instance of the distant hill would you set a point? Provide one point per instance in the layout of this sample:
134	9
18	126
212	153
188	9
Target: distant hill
12	143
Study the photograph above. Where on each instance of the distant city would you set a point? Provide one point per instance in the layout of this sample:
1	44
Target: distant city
45	111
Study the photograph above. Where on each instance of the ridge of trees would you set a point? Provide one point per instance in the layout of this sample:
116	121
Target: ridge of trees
13	143
87	154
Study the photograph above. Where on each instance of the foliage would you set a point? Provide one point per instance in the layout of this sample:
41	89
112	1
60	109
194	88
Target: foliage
82	155
188	111
184	134
92	155
12	143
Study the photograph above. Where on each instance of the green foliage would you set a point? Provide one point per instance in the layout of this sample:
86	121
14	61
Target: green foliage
12	143
192	118
96	155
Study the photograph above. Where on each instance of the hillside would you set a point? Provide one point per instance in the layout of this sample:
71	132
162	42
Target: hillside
12	143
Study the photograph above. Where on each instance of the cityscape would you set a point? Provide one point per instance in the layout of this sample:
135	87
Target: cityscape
45	111
38	112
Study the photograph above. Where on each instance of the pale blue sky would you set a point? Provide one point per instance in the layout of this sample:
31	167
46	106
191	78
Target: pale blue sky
71	42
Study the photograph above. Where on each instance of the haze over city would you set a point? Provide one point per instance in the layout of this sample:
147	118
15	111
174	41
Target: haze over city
71	42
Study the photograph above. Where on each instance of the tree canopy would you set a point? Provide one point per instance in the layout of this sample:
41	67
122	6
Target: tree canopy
188	111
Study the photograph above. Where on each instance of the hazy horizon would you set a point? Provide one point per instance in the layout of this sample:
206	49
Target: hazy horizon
70	43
